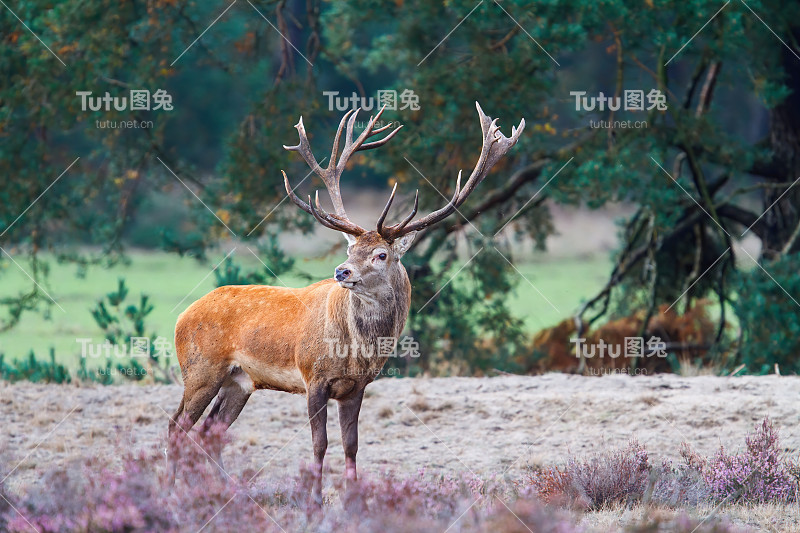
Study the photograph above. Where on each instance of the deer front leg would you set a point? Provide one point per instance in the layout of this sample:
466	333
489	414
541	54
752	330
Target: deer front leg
318	415
348	420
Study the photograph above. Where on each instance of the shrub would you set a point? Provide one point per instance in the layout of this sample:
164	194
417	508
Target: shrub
33	369
121	322
141	495
552	485
758	475
615	476
676	486
275	262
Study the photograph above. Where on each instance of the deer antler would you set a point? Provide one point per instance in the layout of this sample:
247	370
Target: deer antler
495	145
332	174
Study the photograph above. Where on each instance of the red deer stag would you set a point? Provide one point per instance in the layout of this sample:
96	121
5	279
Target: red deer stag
237	339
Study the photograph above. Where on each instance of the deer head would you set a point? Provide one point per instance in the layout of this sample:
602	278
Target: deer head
374	256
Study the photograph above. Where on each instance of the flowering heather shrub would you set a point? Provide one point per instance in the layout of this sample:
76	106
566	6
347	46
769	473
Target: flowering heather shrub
604	478
139	493
675	486
758	475
140	496
391	503
613	476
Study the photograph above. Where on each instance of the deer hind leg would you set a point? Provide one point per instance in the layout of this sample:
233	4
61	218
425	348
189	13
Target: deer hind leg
231	399
318	395
201	384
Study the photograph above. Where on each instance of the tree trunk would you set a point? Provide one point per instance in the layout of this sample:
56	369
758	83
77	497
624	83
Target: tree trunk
781	220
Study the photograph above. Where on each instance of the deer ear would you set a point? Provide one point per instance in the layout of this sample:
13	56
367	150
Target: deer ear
350	239
401	245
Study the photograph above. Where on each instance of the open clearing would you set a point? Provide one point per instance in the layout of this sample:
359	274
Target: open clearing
576	265
483	425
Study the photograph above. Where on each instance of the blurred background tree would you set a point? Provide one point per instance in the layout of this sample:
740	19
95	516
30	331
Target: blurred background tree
728	138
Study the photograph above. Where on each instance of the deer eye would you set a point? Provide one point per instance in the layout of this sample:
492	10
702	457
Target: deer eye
382	256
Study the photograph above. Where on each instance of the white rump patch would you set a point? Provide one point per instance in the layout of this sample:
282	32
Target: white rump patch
240	377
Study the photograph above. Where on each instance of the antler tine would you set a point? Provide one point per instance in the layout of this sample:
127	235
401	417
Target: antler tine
304	149
402	224
333	221
390	232
332	174
335	150
382	128
412	214
368	131
298	202
348	138
406	226
495	145
322	220
386	208
358	145
381	142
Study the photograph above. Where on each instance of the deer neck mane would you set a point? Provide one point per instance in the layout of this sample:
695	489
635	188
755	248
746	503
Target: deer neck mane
382	313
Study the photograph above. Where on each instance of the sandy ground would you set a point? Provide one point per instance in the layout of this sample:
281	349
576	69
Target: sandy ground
483	425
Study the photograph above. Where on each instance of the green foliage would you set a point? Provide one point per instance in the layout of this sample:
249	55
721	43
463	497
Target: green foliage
768	317
273	260
120	323
38	370
33	369
367	46
453	341
132	371
102	377
231	274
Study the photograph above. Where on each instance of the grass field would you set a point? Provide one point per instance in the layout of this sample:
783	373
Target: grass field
174	282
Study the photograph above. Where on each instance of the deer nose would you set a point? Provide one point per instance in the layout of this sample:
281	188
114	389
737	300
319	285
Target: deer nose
341	274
